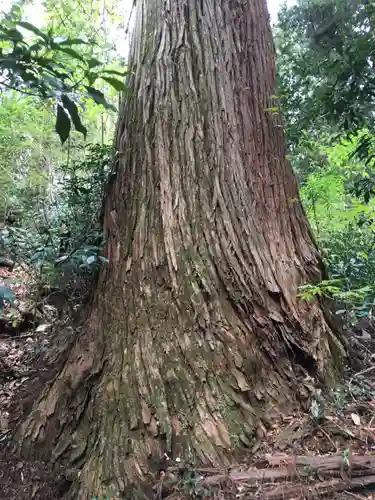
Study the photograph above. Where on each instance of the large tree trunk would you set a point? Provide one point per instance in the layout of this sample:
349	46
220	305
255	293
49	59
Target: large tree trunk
196	336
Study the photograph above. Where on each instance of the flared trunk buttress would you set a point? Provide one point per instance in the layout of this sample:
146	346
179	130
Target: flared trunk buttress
196	337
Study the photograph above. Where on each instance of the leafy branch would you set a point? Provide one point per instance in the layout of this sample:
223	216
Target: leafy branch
53	68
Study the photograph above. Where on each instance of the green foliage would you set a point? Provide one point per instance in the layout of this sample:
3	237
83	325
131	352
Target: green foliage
191	485
325	59
40	63
344	227
359	390
327	85
27	145
335	288
363	185
70	267
81	187
80	205
59	71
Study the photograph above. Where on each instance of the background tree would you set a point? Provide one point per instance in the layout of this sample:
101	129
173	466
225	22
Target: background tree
326	56
327	87
196	335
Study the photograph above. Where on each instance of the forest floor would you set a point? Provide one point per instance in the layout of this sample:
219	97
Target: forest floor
326	452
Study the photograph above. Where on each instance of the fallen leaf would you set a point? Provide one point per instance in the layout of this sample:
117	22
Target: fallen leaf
356	419
43	328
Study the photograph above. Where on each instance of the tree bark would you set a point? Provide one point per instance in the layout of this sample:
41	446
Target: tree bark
196	337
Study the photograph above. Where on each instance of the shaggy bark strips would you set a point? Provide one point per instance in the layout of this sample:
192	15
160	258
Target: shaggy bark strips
196	334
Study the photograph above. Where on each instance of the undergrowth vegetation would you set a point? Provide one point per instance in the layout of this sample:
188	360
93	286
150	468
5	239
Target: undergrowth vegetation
59	240
327	88
60	78
343	220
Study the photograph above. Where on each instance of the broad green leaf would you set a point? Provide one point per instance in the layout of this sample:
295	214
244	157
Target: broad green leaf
13	34
94	63
34	29
91	77
63	124
74	115
37	46
74	41
99	98
11	63
116	84
70	52
116	72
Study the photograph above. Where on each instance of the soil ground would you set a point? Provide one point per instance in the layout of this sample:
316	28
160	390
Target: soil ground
341	424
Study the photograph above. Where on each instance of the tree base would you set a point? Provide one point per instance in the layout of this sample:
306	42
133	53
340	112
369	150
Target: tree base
126	399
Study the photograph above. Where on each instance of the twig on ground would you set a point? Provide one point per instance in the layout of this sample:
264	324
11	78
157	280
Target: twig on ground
358	374
362	372
344	431
329	438
368	429
354	495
